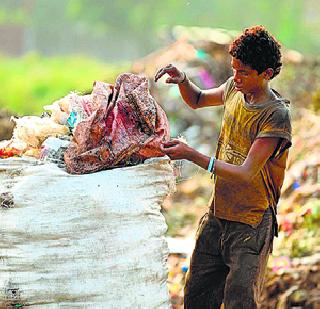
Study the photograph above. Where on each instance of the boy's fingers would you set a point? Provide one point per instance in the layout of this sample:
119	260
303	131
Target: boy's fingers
172	80
170	143
167	69
158	75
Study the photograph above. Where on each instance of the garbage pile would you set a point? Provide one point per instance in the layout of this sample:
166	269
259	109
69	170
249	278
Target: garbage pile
115	125
296	286
29	134
178	267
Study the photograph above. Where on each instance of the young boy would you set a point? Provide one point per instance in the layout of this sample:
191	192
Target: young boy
235	238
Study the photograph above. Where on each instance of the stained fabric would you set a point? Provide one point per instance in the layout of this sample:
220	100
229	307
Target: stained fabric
242	124
127	127
228	263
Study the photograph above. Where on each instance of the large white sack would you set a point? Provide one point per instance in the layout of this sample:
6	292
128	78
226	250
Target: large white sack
83	241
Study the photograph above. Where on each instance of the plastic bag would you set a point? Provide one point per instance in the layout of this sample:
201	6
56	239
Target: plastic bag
57	115
89	241
52	150
34	130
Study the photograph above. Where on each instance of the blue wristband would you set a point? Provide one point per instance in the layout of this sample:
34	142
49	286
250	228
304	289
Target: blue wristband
210	166
213	170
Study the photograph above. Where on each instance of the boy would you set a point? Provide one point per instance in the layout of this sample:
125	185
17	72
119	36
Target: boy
235	238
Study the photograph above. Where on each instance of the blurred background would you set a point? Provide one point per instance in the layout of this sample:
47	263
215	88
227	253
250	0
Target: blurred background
50	48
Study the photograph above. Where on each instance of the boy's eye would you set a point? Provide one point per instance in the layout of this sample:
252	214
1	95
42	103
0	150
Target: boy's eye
242	73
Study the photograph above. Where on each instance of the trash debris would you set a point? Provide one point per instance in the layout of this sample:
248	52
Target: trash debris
131	124
8	152
116	125
53	149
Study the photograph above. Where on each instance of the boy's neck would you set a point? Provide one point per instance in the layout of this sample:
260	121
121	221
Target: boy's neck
260	96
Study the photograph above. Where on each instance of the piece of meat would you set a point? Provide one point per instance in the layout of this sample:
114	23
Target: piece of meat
130	125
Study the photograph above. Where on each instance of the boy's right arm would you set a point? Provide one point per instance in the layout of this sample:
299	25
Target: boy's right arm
197	98
191	94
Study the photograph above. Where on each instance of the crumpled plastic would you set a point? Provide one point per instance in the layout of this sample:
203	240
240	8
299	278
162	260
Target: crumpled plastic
57	114
127	127
34	130
74	108
52	150
28	135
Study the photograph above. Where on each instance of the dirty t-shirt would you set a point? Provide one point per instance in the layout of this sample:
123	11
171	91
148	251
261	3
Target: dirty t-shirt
238	200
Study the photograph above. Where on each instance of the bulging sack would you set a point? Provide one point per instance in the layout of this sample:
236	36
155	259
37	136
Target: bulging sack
83	241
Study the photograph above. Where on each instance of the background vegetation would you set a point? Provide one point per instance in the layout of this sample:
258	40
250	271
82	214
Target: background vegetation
126	29
30	82
60	46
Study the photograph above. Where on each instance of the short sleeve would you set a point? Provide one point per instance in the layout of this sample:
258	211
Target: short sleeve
278	124
229	88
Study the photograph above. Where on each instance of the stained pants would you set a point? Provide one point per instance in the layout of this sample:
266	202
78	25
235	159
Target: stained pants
228	263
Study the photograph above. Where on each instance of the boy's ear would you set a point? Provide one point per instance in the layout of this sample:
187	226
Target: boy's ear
268	73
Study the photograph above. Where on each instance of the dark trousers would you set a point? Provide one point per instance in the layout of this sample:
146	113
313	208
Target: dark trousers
228	263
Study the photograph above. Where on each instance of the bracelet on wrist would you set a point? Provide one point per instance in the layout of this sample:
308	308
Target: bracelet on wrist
213	170
211	164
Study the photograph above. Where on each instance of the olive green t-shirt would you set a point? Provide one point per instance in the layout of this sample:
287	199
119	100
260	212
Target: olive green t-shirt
238	200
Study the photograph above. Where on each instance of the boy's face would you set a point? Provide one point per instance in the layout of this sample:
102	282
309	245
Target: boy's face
246	79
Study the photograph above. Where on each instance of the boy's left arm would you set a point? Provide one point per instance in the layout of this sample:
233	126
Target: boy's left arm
261	150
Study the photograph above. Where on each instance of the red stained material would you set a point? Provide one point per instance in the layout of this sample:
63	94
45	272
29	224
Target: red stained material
129	123
8	152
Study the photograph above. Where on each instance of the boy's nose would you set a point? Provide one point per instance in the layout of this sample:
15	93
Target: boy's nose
236	78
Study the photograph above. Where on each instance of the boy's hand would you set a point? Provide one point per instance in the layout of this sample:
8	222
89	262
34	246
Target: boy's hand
175	75
176	149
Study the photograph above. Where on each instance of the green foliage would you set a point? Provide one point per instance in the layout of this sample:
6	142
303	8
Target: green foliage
302	247
16	16
287	19
30	82
295	23
312	220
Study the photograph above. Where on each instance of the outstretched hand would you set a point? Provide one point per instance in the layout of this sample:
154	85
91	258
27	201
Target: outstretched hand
176	149
175	75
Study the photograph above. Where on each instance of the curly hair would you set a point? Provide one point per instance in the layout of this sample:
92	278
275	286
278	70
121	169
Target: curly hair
257	49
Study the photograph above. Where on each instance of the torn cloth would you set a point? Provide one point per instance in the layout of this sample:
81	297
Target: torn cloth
128	125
